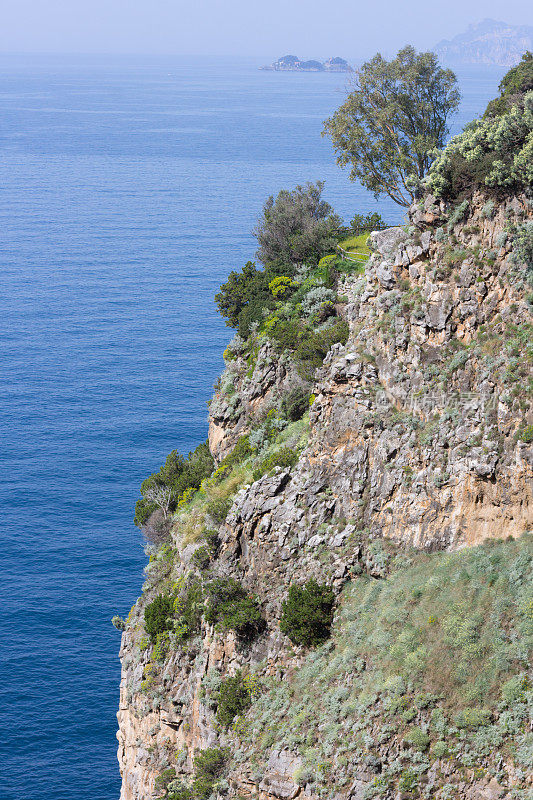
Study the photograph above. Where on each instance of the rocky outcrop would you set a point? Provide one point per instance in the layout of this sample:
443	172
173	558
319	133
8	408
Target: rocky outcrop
245	394
416	438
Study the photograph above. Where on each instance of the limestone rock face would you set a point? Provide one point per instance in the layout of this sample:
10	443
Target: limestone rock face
415	436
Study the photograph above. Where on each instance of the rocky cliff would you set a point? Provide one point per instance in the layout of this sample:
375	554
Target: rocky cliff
417	443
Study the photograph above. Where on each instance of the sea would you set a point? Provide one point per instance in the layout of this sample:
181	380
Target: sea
129	187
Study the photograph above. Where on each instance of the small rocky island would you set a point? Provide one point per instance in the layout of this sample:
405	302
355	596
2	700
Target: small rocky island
294	64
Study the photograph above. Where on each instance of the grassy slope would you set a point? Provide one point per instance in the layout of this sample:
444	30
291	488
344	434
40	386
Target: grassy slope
438	652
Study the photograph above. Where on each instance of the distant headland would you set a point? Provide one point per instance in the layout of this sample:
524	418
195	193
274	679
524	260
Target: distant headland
294	64
489	42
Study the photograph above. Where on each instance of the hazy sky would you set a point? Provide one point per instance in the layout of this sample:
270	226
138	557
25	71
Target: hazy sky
270	28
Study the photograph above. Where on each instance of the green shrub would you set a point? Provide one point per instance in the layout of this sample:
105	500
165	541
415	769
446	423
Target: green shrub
286	334
158	616
472	718
525	434
314	347
408	781
176	476
281	286
243	297
307	613
367	222
161	646
440	749
209	765
240	452
285	457
165	786
231	607
188	607
118	623
514	690
218	509
418	739
295	403
523	249
204	555
233	698
493	153
513	86
201	557
179	791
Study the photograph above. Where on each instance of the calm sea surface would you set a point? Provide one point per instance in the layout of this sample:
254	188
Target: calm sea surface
128	189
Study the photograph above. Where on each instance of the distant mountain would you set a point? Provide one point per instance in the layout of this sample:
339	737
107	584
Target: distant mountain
294	64
488	42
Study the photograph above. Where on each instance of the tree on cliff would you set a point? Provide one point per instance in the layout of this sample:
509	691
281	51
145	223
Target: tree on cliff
296	227
391	123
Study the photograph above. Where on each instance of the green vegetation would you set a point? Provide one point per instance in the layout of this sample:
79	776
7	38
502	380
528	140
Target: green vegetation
188	607
285	457
495	152
434	658
165	488
118	623
307	613
231	607
307	345
234	697
390	124
209	766
204	555
297	227
367	222
158	616
168	788
418	739
513	86
295	403
243	297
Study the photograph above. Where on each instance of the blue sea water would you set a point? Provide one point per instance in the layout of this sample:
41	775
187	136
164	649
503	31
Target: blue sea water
128	190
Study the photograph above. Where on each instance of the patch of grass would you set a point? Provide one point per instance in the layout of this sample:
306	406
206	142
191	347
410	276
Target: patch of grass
446	638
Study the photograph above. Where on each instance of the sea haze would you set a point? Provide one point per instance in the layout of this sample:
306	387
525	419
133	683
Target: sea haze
128	190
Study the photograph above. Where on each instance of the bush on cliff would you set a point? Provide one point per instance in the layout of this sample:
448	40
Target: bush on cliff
233	698
231	607
495	152
163	489
307	613
158	616
513	86
295	403
169	788
188	607
284	458
296	227
313	349
243	297
208	767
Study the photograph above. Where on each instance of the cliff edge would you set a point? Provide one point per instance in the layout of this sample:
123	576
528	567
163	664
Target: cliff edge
344	607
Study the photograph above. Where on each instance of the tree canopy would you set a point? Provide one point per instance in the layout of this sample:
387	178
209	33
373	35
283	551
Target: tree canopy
393	120
513	87
296	227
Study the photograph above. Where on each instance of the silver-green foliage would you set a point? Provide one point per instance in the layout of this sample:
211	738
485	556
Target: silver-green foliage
498	151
